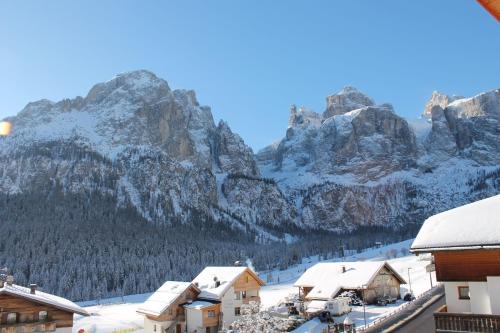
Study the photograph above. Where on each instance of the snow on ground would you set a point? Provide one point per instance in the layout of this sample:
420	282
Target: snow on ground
112	315
312	326
117	318
118	315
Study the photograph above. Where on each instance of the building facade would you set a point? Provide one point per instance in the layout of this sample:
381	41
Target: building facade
26	310
212	301
371	280
465	244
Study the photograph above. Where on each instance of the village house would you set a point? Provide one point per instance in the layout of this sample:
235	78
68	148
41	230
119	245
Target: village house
30	310
465	243
370	279
164	312
212	301
231	286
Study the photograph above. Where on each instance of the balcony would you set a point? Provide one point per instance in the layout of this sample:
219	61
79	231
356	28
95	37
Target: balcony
251	299
49	326
447	322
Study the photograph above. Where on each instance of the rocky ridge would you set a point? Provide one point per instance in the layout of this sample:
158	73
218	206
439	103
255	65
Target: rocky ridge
158	150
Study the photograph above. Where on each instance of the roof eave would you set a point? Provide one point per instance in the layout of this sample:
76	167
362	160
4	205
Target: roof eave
81	312
454	248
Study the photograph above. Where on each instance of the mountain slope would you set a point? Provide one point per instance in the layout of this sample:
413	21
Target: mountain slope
360	163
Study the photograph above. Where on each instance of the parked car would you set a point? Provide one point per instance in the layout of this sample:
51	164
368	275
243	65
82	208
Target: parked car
408	297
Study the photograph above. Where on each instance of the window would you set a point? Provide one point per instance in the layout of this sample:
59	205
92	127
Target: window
11	318
211	313
43	316
463	292
244	294
247	279
237	295
237	311
154	328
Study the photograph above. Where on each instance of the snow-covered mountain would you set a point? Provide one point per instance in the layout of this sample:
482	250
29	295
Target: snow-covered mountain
359	163
159	151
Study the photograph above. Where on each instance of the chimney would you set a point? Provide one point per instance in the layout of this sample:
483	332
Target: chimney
10	280
343	269
217	282
33	287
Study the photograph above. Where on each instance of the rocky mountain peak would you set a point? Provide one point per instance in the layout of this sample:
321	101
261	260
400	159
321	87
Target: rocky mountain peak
347	99
303	117
140	84
439	99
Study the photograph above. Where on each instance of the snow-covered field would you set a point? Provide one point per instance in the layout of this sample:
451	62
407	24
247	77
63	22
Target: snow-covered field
118	315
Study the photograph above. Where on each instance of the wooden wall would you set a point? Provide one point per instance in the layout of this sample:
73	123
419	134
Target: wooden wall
214	321
467	265
246	282
29	310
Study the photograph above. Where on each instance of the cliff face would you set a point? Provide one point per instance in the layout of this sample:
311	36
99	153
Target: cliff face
359	163
159	151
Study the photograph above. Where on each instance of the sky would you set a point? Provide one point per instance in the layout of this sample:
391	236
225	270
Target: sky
250	60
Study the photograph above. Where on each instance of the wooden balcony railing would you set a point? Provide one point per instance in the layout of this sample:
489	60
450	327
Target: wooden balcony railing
28	327
251	299
447	322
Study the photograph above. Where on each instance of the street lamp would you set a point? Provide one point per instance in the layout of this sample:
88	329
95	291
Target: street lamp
409	281
364	308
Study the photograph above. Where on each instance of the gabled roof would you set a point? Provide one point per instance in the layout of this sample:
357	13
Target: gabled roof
476	225
199	305
164	297
328	279
206	280
42	298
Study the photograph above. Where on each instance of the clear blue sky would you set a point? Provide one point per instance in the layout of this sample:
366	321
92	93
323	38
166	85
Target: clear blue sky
249	60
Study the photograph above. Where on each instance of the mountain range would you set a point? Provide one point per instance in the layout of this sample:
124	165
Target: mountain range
158	150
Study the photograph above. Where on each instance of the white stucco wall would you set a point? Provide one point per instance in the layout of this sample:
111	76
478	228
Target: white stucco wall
64	330
160	325
228	303
194	320
494	292
453	303
479	298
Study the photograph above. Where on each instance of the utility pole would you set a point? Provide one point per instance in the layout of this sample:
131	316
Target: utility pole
364	308
409	281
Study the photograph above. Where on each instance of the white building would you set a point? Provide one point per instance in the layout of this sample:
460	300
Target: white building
465	243
211	301
231	286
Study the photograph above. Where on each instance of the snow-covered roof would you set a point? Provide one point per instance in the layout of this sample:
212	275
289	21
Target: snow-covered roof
226	276
198	305
162	298
316	305
43	298
476	225
328	279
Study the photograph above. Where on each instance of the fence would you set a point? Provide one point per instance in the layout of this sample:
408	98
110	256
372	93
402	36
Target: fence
400	309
